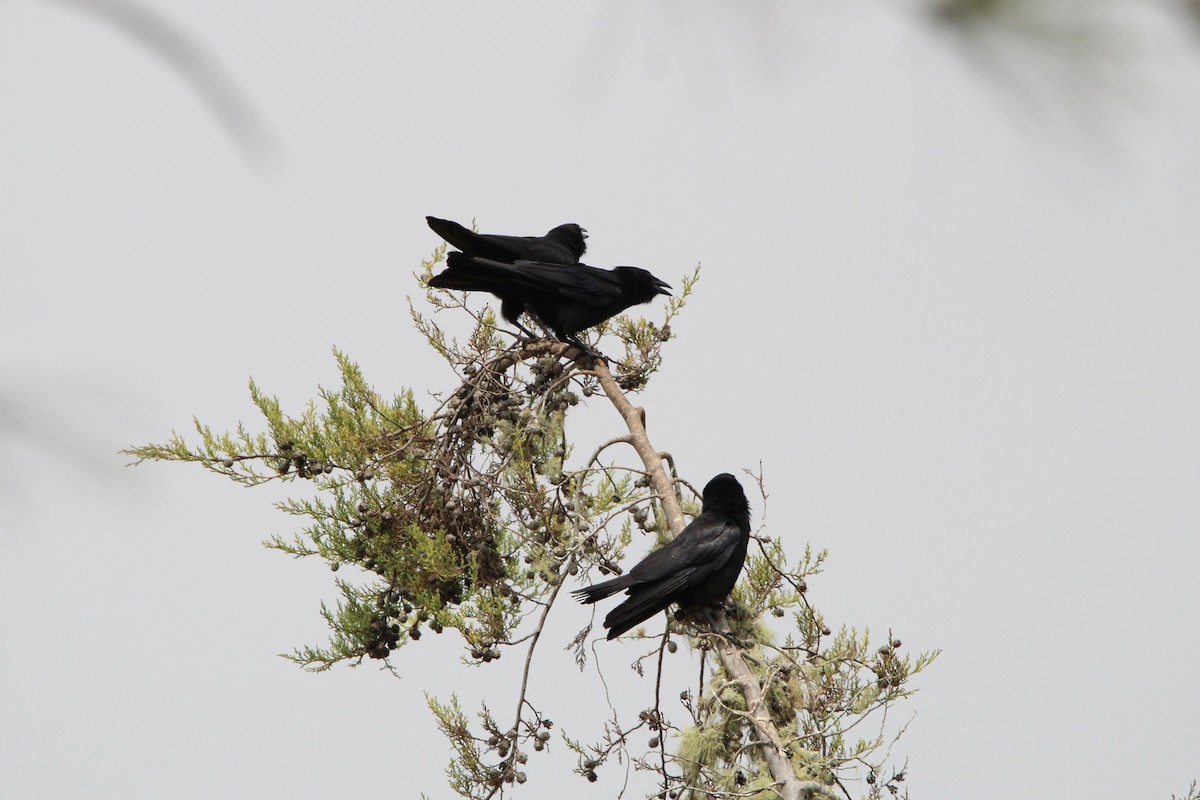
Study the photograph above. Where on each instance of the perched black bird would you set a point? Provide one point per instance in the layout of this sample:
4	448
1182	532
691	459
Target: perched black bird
562	245
566	298
696	569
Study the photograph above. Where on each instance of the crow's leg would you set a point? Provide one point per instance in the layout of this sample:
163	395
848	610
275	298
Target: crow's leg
526	331
587	351
541	324
512	310
720	627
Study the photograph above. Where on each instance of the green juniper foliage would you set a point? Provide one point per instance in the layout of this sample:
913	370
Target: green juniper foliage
470	516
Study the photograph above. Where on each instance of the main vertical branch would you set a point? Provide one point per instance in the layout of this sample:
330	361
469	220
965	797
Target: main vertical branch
635	420
787	784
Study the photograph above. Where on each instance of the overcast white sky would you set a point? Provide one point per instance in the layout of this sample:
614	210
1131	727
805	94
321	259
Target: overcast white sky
951	308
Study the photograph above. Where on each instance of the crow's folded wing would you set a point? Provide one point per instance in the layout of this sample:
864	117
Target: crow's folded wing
701	549
578	282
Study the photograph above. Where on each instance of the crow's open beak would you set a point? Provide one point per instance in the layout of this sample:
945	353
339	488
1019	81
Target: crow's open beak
662	287
583	232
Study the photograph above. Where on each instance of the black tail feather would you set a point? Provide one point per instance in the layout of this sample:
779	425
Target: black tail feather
599	591
453	233
628	615
465	273
644	602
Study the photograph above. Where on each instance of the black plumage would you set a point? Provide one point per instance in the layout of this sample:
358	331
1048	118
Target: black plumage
566	298
562	245
697	569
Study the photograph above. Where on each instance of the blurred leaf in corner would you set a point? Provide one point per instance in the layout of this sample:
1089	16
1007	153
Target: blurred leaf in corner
46	445
194	63
1192	9
1066	59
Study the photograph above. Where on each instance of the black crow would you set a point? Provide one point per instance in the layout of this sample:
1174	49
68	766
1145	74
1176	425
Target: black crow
697	569
562	245
566	298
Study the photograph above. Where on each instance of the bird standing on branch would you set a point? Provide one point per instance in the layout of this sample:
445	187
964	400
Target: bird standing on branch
696	570
562	245
565	298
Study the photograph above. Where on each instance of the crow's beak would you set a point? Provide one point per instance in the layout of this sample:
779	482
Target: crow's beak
662	287
583	232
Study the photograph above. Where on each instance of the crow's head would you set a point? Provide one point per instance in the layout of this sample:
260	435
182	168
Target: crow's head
724	493
570	236
639	286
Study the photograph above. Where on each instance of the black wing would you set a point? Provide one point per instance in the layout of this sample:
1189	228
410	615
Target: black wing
700	550
575	282
671	574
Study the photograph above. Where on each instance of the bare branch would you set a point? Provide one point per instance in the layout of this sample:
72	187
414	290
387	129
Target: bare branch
635	420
